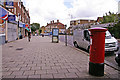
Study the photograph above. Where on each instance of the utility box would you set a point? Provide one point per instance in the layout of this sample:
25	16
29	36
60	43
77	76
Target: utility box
97	51
55	35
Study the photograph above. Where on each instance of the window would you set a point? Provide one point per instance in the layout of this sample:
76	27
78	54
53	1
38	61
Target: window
18	14
79	22
20	6
18	3
14	10
23	19
20	17
86	35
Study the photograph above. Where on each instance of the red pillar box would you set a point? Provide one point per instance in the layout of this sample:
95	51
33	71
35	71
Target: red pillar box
97	51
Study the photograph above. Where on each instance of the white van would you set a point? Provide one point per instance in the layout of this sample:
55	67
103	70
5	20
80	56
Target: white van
81	38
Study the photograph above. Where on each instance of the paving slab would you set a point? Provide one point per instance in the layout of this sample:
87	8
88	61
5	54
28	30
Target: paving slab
40	58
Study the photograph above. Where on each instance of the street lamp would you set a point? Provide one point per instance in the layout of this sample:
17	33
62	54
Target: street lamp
65	35
18	25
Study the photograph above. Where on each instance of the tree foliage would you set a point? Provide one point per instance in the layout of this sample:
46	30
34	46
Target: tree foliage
40	31
115	30
109	18
113	18
35	26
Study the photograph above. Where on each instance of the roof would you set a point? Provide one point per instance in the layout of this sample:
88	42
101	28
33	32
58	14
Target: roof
103	25
56	24
81	19
99	18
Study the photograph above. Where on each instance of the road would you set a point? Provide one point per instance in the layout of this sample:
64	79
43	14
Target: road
108	57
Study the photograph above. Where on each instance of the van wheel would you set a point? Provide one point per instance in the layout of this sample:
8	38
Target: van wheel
75	44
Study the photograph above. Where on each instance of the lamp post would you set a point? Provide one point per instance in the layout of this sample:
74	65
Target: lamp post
65	35
18	25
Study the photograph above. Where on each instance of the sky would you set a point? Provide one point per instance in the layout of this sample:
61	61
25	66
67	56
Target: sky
44	11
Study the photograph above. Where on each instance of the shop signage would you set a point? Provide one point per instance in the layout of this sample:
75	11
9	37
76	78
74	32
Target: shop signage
9	4
55	32
11	17
55	35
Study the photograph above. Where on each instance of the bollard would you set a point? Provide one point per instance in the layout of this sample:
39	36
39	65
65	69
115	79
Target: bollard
97	51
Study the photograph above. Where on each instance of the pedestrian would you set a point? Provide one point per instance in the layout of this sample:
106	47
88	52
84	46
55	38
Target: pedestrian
29	36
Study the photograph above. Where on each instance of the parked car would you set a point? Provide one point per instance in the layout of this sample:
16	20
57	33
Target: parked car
42	35
46	34
36	34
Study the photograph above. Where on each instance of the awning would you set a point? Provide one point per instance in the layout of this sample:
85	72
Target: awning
3	14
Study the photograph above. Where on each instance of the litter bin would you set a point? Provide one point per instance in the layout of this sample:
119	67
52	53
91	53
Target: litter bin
2	39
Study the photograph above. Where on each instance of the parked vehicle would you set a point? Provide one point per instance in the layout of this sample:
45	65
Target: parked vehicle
36	34
46	34
81	38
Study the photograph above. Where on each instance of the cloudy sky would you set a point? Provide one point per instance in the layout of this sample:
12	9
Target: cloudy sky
43	11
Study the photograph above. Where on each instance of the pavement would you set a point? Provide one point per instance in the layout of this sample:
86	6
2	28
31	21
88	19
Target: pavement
42	59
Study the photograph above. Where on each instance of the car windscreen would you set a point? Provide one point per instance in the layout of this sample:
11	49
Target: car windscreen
108	35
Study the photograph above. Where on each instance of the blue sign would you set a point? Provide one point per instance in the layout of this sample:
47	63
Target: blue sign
11	17
24	25
9	3
55	31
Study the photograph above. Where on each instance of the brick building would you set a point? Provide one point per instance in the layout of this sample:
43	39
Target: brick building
53	24
17	27
82	22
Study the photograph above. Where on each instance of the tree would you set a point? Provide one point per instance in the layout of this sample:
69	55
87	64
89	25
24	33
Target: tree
35	26
112	18
109	18
40	31
115	30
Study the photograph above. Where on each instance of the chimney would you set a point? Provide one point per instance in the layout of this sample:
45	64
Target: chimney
50	22
47	23
57	21
53	21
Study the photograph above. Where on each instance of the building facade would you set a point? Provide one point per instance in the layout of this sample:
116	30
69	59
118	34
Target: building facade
22	18
53	24
81	22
